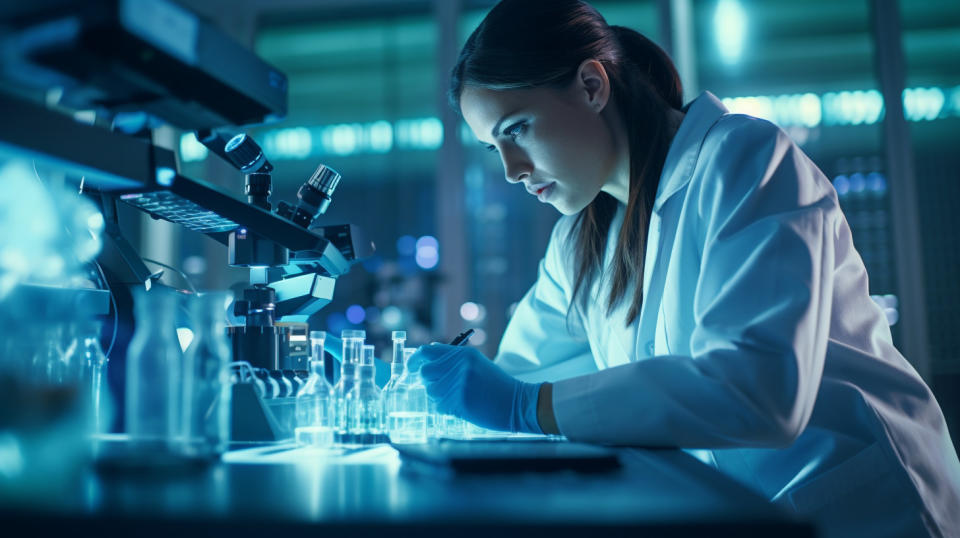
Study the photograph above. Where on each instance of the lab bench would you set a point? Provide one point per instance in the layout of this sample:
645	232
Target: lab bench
283	490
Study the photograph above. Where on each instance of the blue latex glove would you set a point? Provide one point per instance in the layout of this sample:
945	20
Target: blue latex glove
466	384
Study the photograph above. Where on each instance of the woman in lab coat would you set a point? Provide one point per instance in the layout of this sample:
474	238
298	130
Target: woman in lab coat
701	290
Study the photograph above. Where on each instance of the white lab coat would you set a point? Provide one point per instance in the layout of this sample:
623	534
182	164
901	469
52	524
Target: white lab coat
757	342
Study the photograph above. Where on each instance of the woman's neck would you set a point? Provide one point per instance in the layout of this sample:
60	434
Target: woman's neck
618	185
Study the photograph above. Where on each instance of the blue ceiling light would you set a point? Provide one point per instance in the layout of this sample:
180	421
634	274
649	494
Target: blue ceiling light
730	27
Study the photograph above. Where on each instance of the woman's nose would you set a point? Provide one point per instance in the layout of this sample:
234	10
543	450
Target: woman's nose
516	167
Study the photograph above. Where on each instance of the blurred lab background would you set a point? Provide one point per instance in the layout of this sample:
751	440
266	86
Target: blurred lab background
456	246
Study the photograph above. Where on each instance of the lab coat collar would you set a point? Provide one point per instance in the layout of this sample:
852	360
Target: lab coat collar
701	114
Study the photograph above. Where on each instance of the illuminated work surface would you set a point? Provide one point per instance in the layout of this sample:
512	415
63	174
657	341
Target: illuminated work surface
297	487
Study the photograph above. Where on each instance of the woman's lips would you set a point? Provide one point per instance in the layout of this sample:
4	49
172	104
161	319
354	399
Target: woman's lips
543	193
537	188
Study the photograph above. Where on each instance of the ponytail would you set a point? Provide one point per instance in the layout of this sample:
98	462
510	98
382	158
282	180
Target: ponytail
646	86
648	58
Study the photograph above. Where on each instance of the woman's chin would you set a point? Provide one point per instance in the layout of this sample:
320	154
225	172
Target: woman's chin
566	210
565	206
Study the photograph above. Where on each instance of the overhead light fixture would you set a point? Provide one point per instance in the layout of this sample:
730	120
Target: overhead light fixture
730	27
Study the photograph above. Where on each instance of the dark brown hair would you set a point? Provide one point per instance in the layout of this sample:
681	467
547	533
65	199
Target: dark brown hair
541	43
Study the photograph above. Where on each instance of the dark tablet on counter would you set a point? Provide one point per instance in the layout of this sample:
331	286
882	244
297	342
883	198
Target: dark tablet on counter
510	456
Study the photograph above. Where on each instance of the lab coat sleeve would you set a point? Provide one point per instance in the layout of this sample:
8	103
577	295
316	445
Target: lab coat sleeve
767	223
542	343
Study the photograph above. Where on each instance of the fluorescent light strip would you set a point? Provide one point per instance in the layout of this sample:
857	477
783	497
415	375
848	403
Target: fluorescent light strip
859	107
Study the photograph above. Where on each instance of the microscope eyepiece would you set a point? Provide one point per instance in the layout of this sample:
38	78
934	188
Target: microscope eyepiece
325	180
246	155
315	195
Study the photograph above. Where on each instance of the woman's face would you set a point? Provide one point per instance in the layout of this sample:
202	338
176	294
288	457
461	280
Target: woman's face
556	142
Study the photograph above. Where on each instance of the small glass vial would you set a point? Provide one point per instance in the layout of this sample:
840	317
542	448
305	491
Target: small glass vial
365	402
315	404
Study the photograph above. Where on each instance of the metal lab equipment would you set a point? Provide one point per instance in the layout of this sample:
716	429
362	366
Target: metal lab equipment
76	56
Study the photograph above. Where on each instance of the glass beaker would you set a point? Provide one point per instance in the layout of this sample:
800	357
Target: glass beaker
315	404
206	385
154	371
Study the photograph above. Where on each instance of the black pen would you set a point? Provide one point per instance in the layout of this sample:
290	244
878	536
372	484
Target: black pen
461	339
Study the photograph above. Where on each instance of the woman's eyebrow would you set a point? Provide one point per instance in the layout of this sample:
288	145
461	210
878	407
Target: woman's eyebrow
496	127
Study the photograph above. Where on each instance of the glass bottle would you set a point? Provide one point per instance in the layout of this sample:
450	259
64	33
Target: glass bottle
396	365
153	371
206	385
352	341
94	364
315	424
365	402
391	391
408	421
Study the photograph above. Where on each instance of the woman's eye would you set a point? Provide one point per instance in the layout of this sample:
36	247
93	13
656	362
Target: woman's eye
516	130
491	147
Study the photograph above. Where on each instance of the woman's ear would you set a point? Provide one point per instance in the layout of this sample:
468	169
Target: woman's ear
593	84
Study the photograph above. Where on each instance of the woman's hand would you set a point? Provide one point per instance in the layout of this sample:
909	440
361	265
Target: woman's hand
467	384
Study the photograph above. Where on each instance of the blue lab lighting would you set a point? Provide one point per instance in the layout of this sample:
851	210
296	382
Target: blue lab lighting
428	252
356	314
730	26
165	176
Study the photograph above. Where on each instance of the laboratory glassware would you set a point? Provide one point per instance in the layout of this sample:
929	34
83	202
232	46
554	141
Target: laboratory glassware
391	392
58	362
94	364
434	420
48	358
396	365
154	371
205	382
315	404
352	341
407	422
365	402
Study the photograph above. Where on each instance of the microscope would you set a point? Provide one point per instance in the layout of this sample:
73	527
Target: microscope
282	284
121	59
